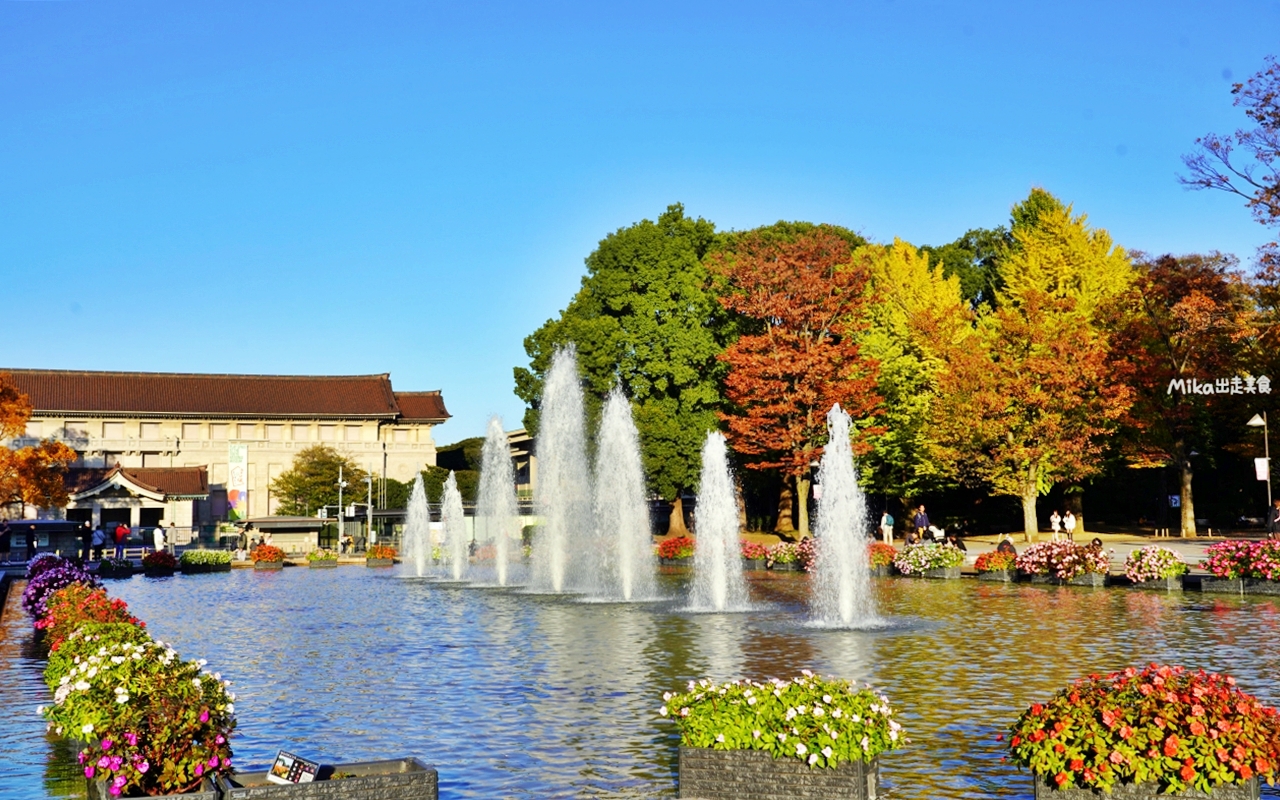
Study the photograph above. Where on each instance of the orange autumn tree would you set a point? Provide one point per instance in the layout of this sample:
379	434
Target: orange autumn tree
30	475
799	299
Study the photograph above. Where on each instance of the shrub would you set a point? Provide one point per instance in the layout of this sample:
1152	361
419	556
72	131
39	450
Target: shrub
920	557
267	553
1231	560
43	563
1064	560
205	558
1153	563
72	606
47	581
754	551
160	723
322	555
85	641
159	559
995	561
1177	728
880	554
380	551
676	547
822	721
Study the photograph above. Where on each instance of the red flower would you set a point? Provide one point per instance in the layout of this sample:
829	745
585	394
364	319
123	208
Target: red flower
1188	772
1061	778
1171	746
1077	764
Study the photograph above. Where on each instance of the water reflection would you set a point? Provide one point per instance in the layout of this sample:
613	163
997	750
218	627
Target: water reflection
515	695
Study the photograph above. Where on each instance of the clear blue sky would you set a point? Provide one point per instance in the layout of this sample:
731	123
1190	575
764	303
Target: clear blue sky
411	187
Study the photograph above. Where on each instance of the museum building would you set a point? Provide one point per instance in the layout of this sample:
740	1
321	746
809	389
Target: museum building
167	446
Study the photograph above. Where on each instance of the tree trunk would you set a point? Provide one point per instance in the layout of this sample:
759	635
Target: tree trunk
1030	525
784	510
1185	500
675	523
742	505
802	498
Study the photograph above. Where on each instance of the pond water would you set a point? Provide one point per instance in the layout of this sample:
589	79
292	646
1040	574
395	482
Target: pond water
514	695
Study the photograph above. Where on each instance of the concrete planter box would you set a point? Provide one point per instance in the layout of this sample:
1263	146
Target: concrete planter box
1173	584
1148	791
326	563
675	562
753	563
268	565
158	572
998	575
105	571
406	778
757	775
200	569
1239	586
941	573
98	791
379	562
1258	586
882	571
793	566
1084	579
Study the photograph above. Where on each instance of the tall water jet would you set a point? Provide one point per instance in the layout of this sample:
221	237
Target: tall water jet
718	584
842	585
624	544
455	527
563	489
497	514
417	529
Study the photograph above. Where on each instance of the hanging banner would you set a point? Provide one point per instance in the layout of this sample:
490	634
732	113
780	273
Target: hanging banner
1262	469
237	480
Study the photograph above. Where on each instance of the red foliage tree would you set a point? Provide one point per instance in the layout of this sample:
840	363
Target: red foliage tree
799	302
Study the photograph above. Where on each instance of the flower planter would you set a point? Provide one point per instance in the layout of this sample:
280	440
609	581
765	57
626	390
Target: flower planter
158	572
200	569
941	573
1258	586
757	775
791	566
1249	790
268	565
753	563
406	778
998	575
675	562
323	563
882	571
1083	579
1222	585
379	562
105	571
1170	584
98	791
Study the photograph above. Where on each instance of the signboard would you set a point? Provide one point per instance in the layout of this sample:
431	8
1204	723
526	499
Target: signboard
1262	468
237	480
289	768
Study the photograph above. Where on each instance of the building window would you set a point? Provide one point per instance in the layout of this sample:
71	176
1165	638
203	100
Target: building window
352	433
247	431
191	430
302	433
113	430
149	430
275	433
328	433
218	431
402	434
35	429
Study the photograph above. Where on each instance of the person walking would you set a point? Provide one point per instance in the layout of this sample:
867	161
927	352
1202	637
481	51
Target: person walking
160	539
920	521
1055	525
1273	520
1069	523
886	527
99	541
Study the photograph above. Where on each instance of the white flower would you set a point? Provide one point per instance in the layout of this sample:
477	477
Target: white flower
802	709
755	734
782	737
817	711
663	711
122	698
720	738
837	713
813	759
195	682
801	749
855	718
826	751
893	736
40	710
791	714
866	743
684	712
751	701
87	728
82	686
231	709
826	698
666	696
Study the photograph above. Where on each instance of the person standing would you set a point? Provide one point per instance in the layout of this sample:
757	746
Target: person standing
6	540
99	541
920	521
886	527
1055	524
1069	522
86	539
159	537
121	533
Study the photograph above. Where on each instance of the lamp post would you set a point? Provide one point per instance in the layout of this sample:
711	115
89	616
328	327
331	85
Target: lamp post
371	537
341	485
1260	421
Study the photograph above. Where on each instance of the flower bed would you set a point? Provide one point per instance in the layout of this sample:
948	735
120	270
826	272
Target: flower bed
821	721
196	561
784	556
677	547
754	551
48	578
1155	566
1063	560
322	555
72	606
159	561
807	553
268	553
880	554
381	551
996	566
919	559
115	568
1231	560
1167	727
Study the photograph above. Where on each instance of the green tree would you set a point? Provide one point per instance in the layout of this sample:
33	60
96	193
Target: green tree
972	259
645	320
433	479
311	482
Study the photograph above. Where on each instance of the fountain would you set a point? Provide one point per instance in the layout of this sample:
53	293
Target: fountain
842	586
455	527
624	543
497	516
417	529
718	583
563	480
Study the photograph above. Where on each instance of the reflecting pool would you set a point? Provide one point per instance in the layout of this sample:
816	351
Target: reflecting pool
514	695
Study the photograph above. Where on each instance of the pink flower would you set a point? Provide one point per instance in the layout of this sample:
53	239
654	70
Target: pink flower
132	739
143	767
199	770
204	716
106	744
213	763
88	771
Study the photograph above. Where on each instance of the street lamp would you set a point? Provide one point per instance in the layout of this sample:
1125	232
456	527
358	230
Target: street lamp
341	485
370	537
1260	421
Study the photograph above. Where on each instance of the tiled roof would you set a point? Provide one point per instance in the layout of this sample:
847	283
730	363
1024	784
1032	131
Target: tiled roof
180	394
189	481
421	406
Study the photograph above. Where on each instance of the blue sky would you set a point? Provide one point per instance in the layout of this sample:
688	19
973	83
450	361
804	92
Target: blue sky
411	187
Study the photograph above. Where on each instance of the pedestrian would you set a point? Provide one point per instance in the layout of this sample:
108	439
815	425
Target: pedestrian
160	538
886	527
120	535
31	542
956	542
1273	520
920	521
6	540
99	541
1006	546
1055	524
1069	523
86	539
